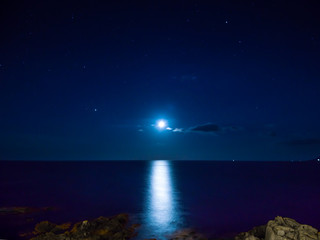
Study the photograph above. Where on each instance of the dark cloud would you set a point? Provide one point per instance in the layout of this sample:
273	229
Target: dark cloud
232	128
304	142
208	127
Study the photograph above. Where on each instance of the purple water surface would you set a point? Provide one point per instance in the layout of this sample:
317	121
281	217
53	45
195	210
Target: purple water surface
217	198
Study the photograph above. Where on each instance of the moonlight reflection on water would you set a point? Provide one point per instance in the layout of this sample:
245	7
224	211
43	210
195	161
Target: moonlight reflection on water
162	207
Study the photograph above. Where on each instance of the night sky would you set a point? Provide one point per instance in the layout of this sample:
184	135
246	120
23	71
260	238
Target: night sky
88	80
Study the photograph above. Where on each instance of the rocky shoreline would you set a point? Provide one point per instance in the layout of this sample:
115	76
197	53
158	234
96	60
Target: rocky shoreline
115	228
98	229
281	228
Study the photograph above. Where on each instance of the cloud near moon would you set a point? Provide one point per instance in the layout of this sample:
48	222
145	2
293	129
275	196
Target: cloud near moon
208	127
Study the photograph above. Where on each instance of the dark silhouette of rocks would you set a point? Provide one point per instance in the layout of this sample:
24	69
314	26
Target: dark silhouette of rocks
102	228
187	234
45	226
281	228
22	210
115	228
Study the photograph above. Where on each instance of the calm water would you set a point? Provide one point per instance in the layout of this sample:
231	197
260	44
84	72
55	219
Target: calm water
217	198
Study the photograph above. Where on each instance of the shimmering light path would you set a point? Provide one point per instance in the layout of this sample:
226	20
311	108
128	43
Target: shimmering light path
162	207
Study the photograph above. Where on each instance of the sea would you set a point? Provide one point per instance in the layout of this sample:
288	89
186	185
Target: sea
217	198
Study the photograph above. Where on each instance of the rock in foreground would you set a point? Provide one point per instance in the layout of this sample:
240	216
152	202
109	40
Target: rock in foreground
281	228
187	234
102	228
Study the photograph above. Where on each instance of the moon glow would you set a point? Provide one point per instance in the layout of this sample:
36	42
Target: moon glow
161	124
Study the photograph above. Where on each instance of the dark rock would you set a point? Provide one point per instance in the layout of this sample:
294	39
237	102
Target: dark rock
22	210
46	226
101	228
254	234
281	228
187	234
287	228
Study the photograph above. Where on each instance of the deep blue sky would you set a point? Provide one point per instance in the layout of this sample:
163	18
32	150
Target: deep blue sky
88	80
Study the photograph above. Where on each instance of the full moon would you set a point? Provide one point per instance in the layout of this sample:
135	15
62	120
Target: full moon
161	124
